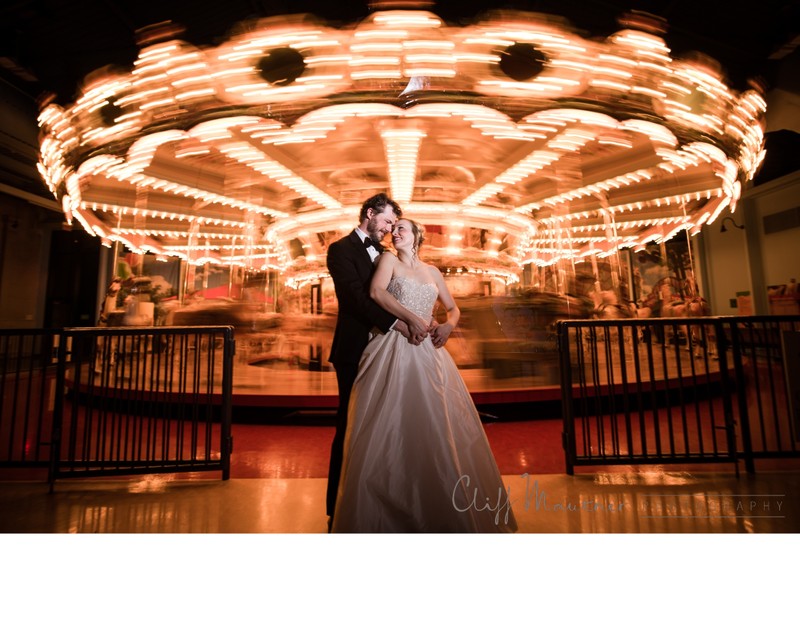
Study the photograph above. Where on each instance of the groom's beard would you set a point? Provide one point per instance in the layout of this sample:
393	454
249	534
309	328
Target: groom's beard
372	231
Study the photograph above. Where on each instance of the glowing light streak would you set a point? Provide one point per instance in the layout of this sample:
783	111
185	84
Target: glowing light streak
167	76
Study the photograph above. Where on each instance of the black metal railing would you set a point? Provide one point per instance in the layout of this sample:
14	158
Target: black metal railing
675	390
104	401
28	390
763	384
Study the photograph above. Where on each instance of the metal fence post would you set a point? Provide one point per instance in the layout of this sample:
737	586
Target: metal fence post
568	433
226	438
58	409
728	387
744	415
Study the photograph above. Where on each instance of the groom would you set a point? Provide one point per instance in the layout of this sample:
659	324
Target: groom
350	266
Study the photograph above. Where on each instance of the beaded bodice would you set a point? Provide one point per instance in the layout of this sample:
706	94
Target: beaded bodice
414	295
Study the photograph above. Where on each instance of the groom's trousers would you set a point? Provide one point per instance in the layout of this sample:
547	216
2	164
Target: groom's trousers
346	373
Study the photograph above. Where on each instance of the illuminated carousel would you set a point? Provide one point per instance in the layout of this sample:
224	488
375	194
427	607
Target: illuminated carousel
540	162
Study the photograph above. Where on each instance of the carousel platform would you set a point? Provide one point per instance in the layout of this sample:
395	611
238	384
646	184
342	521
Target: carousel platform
495	393
509	378
256	387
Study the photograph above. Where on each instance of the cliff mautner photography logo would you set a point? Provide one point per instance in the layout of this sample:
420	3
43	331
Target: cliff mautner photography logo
695	505
535	498
677	506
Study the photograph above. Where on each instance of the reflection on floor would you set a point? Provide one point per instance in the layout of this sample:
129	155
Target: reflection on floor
278	486
302	451
653	502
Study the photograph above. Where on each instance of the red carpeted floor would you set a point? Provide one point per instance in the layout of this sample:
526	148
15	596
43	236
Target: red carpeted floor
303	450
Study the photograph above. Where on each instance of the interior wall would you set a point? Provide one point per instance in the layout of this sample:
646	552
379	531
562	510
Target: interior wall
25	232
781	250
778	267
749	260
778	256
725	267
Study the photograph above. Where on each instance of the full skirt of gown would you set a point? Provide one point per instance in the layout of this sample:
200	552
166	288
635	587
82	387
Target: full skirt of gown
416	457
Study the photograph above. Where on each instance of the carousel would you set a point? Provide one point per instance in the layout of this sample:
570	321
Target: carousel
556	175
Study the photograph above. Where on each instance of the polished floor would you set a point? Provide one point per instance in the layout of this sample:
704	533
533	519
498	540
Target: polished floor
625	502
277	486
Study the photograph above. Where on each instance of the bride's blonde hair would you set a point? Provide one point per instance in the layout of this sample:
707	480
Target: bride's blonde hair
419	235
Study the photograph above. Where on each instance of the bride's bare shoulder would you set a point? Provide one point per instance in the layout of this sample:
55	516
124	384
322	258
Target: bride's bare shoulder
387	257
433	270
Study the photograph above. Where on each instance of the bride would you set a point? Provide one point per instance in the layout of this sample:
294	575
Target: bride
416	457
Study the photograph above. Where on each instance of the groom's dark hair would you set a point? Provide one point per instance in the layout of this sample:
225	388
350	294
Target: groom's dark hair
378	203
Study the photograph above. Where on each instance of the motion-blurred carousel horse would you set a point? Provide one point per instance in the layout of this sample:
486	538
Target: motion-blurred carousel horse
673	298
610	305
601	304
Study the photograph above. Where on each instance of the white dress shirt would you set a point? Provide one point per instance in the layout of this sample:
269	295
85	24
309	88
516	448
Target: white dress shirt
370	249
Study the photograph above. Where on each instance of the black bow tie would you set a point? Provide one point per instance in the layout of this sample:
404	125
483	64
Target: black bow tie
368	242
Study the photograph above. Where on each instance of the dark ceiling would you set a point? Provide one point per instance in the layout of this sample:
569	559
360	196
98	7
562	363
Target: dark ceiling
50	45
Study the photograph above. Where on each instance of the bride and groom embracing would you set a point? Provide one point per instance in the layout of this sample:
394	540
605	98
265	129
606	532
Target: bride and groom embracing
409	454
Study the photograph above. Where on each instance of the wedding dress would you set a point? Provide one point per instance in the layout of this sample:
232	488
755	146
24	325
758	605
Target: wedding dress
416	457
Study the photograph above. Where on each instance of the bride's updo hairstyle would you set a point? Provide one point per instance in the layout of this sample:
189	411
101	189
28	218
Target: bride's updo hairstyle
419	235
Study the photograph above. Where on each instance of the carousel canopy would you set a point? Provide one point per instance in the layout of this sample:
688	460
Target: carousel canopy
514	139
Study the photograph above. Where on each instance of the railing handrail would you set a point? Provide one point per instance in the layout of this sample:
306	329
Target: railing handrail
735	348
104	370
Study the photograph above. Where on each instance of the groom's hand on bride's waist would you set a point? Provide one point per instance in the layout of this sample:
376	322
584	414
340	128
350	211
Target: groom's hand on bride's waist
413	338
418	328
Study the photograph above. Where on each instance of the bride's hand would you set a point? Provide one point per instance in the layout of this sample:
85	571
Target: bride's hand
440	333
405	330
417	329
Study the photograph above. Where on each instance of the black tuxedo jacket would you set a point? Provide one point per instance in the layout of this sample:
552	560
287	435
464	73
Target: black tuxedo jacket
351	268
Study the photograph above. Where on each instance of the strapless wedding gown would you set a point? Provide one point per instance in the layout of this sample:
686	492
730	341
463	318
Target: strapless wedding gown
416	457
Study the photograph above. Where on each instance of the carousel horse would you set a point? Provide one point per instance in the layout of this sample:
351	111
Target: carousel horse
672	299
608	305
701	335
109	305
